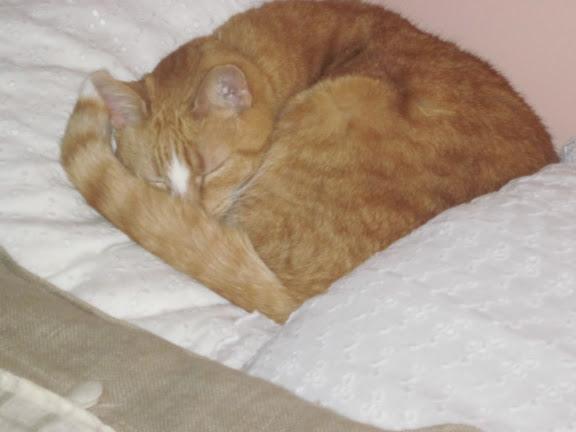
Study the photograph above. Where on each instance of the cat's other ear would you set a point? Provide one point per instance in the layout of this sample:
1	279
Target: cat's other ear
125	105
223	89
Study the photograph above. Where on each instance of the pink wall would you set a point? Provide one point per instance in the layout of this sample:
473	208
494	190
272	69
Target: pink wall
532	42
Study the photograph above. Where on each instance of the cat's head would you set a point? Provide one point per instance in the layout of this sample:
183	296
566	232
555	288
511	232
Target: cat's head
198	133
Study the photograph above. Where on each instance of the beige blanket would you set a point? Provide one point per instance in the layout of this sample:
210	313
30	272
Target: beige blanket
57	342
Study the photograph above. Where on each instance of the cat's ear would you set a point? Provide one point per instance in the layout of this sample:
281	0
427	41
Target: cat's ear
125	105
225	89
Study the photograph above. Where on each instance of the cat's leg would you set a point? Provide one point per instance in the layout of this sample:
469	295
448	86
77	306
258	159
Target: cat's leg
332	190
176	230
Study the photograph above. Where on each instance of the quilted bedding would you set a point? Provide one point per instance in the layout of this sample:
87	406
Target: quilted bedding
469	319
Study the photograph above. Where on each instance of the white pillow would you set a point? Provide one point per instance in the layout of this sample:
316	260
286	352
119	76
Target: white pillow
471	318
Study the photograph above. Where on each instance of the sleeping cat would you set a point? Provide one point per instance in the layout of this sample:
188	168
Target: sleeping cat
272	157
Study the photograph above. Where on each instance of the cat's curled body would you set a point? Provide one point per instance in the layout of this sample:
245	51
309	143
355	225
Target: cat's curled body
301	137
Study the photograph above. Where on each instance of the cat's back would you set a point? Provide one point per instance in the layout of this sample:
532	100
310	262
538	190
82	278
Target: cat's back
300	43
395	126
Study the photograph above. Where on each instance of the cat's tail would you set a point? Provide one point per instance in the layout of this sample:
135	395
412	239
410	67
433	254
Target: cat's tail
181	233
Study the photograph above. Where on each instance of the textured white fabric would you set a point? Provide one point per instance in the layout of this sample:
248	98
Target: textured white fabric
471	318
27	407
46	51
568	153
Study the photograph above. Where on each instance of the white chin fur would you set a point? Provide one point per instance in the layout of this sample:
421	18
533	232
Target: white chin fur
179	175
88	91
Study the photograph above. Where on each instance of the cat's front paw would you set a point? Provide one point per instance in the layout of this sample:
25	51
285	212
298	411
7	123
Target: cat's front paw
88	90
87	138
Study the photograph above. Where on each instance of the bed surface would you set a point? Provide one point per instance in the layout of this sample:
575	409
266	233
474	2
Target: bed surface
469	319
148	385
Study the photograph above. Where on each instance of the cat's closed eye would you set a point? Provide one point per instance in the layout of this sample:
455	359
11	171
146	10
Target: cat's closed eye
159	183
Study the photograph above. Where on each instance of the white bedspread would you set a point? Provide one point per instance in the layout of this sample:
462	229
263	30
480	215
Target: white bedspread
46	51
471	318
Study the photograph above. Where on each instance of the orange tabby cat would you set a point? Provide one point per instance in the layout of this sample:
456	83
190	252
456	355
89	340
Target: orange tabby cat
274	156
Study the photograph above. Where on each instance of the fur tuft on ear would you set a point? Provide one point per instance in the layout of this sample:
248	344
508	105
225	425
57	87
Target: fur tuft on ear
224	88
125	105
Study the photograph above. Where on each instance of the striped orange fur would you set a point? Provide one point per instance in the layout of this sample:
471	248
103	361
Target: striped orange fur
272	157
